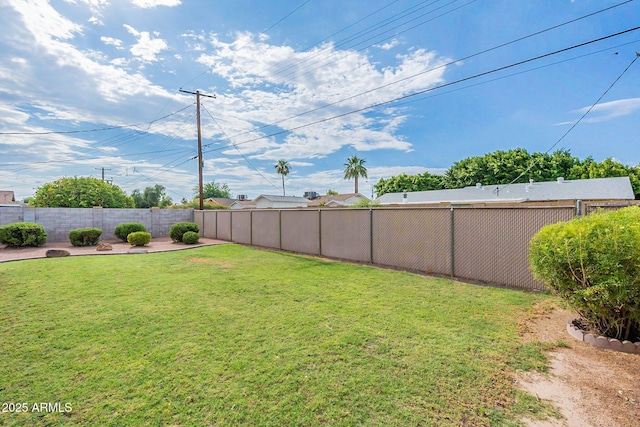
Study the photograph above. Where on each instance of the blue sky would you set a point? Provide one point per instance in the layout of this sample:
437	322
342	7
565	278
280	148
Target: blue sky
407	85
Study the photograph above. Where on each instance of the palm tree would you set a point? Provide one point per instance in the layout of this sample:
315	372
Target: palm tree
283	168
355	168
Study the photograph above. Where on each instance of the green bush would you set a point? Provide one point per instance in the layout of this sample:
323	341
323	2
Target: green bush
594	264
19	234
126	228
190	237
85	236
139	238
178	229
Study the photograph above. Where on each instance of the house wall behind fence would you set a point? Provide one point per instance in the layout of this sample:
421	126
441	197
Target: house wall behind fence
59	221
479	244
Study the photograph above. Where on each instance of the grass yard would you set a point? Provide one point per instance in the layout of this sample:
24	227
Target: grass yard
230	335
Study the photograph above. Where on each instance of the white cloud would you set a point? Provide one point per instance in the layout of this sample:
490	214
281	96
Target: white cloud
611	110
388	46
112	42
147	48
149	4
275	84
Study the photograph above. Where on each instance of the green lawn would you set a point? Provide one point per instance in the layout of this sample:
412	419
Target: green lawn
229	335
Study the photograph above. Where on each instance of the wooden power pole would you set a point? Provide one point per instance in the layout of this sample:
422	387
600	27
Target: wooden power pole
200	184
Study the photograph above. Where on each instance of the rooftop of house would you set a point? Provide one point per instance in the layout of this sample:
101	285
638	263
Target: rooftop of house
338	198
289	199
561	189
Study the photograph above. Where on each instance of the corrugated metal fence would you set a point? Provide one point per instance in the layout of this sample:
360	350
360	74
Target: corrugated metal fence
478	244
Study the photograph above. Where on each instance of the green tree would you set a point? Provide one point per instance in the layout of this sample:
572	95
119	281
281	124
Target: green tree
283	168
354	168
81	193
332	192
503	167
404	182
608	168
151	197
213	189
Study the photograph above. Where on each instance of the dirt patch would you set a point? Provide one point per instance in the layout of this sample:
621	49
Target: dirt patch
589	386
210	261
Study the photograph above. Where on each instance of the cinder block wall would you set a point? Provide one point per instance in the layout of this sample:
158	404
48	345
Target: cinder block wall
59	221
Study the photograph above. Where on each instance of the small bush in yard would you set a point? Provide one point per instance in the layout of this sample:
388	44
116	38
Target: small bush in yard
20	234
178	229
126	228
85	236
139	238
190	237
594	264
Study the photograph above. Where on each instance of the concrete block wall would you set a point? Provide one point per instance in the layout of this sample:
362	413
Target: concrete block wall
59	221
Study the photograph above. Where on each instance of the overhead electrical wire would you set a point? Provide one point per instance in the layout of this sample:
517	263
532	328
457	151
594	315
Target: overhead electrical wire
453	62
431	89
577	122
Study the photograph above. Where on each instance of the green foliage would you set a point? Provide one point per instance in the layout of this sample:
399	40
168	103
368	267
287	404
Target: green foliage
123	230
196	205
178	229
190	237
592	263
354	168
139	238
151	197
81	193
332	192
21	234
404	182
85	236
283	168
213	190
364	203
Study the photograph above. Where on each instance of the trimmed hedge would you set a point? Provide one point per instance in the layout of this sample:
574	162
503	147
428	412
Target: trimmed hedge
593	264
85	236
190	237
20	234
178	229
123	230
139	238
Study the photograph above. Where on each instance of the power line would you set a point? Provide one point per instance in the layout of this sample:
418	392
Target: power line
495	70
453	62
97	129
577	122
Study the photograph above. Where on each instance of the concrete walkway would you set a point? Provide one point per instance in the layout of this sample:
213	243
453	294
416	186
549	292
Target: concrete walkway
160	244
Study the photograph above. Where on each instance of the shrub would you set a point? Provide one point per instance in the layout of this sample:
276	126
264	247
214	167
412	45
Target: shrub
178	229
85	236
139	238
123	230
592	263
20	234
190	237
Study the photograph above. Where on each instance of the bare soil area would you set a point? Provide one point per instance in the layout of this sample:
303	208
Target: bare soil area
589	386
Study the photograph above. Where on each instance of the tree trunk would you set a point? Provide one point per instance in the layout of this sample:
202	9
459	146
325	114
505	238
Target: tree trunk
283	193
356	184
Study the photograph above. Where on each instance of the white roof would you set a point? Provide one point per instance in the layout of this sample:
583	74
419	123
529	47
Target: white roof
583	189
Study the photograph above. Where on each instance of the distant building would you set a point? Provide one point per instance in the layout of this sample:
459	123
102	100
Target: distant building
243	204
280	202
337	200
609	189
219	201
8	198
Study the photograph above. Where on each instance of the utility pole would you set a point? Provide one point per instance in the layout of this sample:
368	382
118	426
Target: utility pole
103	169
200	185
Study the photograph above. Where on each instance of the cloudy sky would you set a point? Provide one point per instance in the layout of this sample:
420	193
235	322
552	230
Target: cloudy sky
408	85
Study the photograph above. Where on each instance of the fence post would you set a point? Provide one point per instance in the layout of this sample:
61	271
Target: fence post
251	227
320	232
452	242
230	226
371	235
280	228
578	208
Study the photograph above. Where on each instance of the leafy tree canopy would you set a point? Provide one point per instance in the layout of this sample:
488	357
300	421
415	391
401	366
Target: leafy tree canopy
503	167
81	193
213	189
151	197
404	182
